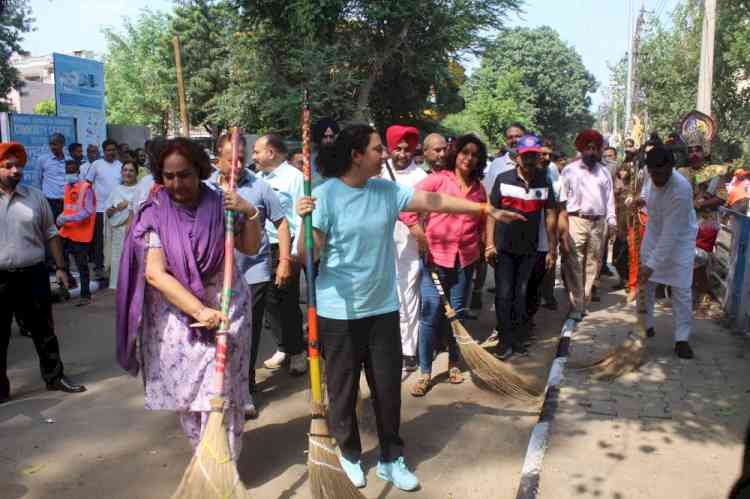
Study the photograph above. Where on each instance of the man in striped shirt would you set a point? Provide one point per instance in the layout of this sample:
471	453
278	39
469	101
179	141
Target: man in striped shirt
512	248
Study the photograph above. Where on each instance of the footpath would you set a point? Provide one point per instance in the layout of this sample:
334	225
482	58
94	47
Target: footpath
673	429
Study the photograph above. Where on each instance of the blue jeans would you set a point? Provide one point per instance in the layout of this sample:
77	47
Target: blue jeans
457	285
512	274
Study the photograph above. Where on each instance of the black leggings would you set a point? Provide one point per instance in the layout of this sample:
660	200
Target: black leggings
375	344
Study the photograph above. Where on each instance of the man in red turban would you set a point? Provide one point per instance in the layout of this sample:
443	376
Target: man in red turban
591	213
410	241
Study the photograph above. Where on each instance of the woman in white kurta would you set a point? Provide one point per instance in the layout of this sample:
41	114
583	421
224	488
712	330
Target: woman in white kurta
119	211
668	247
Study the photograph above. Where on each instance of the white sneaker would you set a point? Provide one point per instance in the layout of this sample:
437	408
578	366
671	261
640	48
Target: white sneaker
276	361
298	364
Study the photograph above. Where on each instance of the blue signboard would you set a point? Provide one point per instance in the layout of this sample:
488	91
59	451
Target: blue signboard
33	131
79	93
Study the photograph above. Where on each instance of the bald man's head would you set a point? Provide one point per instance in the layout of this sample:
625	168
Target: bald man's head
435	149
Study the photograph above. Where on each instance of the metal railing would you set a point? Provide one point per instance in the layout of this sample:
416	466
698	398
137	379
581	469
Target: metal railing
729	270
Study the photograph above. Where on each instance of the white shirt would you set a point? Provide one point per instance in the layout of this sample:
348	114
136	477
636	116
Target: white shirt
498	166
406	245
105	176
142	190
669	243
553	175
288	184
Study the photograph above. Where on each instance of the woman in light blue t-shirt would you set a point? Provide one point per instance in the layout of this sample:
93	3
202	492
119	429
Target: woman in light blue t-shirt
354	213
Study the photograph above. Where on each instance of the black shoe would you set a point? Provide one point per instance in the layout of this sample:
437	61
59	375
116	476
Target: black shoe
476	300
595	295
4	390
503	353
607	272
650	333
63	384
683	350
410	363
550	304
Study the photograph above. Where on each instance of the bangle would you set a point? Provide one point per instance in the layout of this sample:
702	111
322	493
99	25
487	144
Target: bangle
285	259
255	215
482	209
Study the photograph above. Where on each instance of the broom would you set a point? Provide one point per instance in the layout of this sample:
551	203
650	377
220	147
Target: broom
629	356
492	373
327	479
212	472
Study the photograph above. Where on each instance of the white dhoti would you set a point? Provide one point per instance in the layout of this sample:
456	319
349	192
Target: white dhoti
407	278
682	309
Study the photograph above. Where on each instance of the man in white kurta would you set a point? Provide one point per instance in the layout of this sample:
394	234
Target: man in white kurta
402	142
668	247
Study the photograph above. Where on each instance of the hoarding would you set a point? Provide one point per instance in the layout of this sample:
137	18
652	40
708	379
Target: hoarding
79	93
33	131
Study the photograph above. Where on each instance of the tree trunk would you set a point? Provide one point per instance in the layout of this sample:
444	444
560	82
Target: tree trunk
362	111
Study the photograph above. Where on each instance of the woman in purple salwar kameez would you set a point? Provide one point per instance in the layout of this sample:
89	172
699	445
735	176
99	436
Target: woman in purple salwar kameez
169	294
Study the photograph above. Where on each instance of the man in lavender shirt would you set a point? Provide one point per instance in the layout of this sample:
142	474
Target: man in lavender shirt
591	212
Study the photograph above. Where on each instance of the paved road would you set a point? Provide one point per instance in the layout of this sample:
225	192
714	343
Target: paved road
463	442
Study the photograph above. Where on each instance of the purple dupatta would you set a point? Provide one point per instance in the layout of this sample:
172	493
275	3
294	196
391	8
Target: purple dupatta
192	240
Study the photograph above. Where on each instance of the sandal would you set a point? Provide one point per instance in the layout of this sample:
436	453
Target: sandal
421	386
454	376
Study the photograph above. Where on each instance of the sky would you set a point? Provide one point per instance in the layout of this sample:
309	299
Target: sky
598	29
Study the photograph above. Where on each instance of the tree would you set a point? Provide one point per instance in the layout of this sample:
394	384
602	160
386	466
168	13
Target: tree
139	73
46	107
532	76
208	34
668	68
15	20
382	60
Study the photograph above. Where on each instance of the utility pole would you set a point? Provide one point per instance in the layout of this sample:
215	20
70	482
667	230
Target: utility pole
635	41
181	87
706	78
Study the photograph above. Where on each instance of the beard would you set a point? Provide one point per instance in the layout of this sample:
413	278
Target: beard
9	183
590	160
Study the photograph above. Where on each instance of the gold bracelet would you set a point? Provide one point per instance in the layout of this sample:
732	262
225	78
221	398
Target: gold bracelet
482	209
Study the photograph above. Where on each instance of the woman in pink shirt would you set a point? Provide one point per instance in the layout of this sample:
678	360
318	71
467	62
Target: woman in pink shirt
453	249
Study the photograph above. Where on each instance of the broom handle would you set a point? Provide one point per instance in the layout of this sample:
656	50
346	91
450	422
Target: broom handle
313	348
226	292
449	312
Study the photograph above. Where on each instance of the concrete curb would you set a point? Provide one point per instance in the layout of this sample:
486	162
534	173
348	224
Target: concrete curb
531	472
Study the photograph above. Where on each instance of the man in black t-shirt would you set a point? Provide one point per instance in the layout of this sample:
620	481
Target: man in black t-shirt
512	248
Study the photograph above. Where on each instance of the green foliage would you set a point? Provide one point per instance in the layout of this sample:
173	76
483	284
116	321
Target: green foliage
246	62
507	101
668	70
139	73
46	107
531	76
15	20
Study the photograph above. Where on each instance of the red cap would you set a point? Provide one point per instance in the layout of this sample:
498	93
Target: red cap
399	133
14	148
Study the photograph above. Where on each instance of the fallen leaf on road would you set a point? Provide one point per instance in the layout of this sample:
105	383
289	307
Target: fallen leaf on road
30	470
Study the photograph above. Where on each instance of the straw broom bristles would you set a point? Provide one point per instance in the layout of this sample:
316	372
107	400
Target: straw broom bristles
212	473
628	357
491	372
327	479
